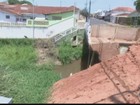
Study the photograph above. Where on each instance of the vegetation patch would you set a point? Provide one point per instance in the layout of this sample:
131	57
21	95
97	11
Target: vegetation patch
68	53
20	77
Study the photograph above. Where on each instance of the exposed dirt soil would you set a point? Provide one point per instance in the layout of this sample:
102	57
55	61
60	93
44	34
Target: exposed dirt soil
113	81
47	53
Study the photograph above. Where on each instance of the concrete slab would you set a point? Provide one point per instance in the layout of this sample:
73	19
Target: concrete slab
5	100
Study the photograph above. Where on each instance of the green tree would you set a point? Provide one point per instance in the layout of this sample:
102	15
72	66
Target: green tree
12	2
25	2
84	13
137	4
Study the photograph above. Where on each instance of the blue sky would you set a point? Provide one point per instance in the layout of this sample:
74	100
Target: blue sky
96	4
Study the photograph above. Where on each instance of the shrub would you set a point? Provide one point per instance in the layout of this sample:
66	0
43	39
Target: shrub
67	53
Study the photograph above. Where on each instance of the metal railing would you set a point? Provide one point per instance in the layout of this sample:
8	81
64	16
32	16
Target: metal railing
64	34
10	24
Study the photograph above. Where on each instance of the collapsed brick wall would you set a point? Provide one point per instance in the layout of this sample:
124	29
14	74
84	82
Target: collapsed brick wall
113	81
106	50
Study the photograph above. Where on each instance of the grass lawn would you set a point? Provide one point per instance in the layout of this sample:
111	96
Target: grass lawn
20	77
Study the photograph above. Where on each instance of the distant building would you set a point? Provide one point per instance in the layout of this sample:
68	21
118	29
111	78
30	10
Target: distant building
115	13
100	14
135	17
134	14
20	13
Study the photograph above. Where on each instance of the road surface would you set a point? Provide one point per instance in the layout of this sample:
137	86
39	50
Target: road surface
97	21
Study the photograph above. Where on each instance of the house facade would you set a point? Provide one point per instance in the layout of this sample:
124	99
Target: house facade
135	17
21	13
37	21
115	13
7	17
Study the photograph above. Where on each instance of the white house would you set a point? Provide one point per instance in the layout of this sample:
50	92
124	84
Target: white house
37	21
20	13
119	12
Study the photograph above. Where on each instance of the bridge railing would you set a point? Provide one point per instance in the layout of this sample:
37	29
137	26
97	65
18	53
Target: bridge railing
65	33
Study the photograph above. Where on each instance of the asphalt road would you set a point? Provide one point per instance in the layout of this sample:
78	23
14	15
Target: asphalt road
97	21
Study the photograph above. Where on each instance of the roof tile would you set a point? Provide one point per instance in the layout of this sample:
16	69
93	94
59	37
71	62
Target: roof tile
126	9
22	9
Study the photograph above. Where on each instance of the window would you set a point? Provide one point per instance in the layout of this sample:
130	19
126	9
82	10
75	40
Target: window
24	20
7	17
46	17
32	18
17	19
56	17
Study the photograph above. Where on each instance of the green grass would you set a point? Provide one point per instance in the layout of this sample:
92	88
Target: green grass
67	53
20	77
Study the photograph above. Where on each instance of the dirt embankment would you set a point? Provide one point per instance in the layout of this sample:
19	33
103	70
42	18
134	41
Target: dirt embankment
114	81
47	52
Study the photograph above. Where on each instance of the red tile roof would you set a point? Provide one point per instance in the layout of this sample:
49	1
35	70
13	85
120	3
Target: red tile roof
23	9
3	3
126	9
2	8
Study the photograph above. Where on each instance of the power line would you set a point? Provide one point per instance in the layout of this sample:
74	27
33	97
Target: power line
86	5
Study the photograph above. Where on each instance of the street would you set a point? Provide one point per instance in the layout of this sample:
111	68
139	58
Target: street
97	21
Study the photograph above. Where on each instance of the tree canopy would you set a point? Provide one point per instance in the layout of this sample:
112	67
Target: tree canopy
84	12
137	4
12	2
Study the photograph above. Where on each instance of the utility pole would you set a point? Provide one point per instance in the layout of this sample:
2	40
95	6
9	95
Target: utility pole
86	4
86	10
89	10
33	21
89	7
74	12
60	3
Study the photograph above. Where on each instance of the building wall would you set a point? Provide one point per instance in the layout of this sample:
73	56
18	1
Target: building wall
46	32
3	17
108	50
114	14
14	17
63	15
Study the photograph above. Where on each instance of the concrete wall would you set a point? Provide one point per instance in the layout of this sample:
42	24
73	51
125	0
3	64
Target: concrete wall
106	51
13	17
114	31
20	32
63	15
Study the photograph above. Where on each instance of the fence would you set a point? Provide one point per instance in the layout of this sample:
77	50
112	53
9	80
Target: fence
9	24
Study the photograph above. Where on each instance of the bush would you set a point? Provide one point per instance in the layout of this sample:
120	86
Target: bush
67	53
17	42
